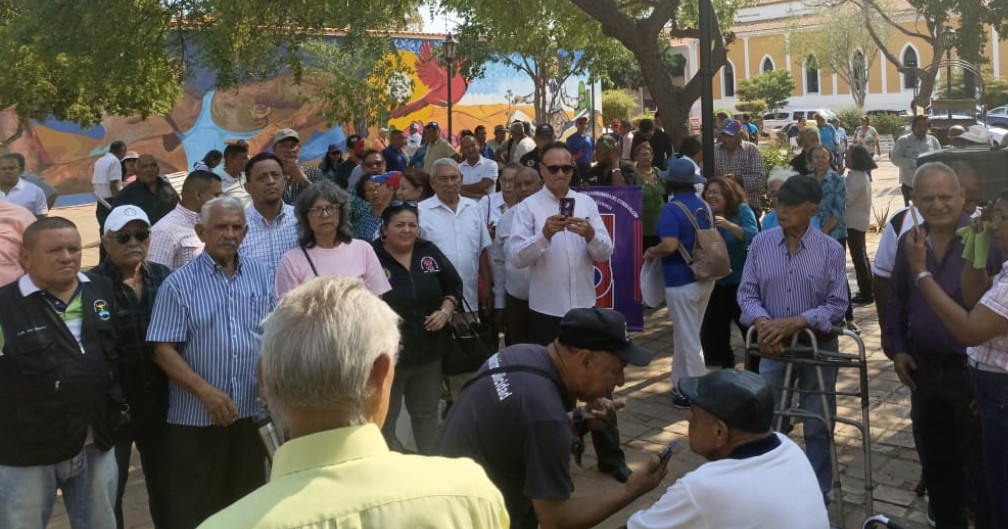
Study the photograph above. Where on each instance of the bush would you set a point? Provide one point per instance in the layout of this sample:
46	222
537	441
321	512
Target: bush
887	124
850	118
755	109
775	155
617	104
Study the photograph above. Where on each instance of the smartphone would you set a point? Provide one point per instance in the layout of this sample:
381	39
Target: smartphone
668	450
567	206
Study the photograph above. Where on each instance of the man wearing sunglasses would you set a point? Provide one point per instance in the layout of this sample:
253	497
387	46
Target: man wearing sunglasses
136	281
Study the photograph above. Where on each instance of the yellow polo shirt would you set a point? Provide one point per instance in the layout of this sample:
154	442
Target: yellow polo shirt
348	478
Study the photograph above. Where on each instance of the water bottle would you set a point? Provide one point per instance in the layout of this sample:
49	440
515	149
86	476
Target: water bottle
267	433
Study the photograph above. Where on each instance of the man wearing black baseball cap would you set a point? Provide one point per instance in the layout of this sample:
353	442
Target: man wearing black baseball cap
754	478
514	419
795	278
544	136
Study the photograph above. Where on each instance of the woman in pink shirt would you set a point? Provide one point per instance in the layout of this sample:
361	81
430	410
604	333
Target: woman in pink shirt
325	244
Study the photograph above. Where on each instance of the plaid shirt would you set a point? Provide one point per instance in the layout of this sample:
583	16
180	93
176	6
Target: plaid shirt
994	352
294	189
137	373
746	165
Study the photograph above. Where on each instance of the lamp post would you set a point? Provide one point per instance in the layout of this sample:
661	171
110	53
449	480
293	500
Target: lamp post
947	35
706	86
450	46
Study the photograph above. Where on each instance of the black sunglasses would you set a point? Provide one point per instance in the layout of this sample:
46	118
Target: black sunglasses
403	204
554	169
123	237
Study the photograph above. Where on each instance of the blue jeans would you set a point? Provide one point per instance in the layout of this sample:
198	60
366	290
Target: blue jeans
991	393
817	445
88	483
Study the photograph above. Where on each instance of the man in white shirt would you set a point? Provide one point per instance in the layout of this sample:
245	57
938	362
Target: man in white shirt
769	481
19	191
413	141
454	224
519	145
51	193
173	238
478	173
232	172
511	285
107	179
559	251
906	150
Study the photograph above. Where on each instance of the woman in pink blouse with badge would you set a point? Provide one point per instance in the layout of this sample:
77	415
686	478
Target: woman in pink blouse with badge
325	244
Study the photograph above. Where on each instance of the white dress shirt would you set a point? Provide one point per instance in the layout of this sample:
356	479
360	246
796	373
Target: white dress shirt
562	274
461	235
28	196
233	186
474	174
492	208
508	279
107	169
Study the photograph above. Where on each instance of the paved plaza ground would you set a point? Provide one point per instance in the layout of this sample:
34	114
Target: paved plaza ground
649	421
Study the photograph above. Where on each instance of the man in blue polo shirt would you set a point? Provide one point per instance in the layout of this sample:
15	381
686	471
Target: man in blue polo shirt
581	145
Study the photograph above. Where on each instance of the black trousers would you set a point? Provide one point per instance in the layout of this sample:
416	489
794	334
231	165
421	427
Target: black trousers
905	190
516	318
859	257
210	468
543	329
150	443
715	331
949	441
101	213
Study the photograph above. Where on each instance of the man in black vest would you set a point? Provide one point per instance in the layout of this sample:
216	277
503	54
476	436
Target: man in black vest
57	385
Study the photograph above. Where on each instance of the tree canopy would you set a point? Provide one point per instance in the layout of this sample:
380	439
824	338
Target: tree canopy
773	88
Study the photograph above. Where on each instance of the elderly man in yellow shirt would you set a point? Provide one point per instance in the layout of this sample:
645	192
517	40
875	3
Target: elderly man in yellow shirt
328	358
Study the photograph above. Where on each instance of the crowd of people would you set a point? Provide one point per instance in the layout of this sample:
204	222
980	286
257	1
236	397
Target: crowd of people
328	294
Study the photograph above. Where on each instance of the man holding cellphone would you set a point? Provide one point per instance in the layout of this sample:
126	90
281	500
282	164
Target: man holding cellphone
557	234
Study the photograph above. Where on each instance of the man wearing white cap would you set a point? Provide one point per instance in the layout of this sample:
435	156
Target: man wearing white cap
136	282
287	147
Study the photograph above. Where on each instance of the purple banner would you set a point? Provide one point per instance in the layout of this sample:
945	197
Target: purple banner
617	281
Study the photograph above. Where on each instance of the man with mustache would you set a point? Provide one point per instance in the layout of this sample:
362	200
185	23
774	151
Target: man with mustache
206	329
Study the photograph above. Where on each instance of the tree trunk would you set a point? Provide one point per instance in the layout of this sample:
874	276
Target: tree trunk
5	145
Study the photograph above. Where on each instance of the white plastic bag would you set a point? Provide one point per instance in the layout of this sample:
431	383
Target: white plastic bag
652	283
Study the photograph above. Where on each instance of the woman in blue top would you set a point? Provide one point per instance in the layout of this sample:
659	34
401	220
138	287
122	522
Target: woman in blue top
736	222
685	296
833	208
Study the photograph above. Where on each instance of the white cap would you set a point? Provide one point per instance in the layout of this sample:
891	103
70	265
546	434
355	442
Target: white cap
123	215
977	134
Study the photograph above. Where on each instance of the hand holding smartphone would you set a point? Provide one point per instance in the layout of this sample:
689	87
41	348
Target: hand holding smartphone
667	451
567	207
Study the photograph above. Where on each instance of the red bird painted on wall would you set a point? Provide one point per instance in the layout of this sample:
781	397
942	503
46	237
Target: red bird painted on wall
433	75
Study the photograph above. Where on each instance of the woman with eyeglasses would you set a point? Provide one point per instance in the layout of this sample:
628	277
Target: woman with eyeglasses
325	246
372	195
425	292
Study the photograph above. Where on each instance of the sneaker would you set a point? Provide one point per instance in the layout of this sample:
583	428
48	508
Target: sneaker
929	514
680	402
862	300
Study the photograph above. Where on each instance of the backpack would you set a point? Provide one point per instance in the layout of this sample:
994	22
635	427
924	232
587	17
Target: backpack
709	257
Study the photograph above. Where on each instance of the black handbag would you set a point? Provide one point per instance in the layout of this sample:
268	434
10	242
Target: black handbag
474	339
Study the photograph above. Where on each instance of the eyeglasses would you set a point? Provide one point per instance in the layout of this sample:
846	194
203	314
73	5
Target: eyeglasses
403	204
324	211
379	163
124	237
565	169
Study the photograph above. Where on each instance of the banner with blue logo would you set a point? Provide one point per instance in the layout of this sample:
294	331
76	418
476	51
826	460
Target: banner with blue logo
617	281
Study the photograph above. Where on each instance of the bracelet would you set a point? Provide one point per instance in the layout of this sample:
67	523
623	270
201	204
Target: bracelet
920	276
445	312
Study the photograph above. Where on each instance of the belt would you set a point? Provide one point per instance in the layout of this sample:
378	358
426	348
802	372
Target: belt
981	366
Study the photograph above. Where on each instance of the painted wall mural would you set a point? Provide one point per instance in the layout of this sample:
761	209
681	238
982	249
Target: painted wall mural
205	118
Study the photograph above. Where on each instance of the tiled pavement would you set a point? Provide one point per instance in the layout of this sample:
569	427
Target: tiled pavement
650	421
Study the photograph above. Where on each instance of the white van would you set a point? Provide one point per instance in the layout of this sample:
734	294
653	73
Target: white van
773	121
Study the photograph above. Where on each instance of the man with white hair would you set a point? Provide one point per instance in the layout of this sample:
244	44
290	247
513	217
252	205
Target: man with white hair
328	358
206	330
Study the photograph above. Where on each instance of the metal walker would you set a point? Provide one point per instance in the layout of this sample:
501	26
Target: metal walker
810	355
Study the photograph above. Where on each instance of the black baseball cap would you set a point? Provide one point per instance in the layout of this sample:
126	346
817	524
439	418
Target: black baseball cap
598	329
800	189
739	398
545	130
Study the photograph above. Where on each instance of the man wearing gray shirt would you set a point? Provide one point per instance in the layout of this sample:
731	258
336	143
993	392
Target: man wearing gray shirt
908	147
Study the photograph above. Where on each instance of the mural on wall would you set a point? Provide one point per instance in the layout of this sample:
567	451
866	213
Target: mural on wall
205	118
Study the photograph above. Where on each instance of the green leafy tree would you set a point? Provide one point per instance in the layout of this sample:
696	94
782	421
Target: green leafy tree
995	90
849	51
774	88
881	17
617	104
641	24
547	41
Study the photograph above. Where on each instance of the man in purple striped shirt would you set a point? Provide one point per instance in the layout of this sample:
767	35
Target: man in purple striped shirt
794	278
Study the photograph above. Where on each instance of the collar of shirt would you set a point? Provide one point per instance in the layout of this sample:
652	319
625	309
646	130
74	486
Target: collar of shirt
190	216
756	448
227	179
212	267
801	243
28	287
435	202
251	213
478	162
328	448
111	271
19	185
547	193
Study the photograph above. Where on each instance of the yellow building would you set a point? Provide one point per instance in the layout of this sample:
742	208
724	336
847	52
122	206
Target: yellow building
762	33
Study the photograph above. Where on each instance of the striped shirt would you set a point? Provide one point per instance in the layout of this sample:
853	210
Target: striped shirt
812	283
293	189
173	238
267	243
215	322
745	163
994	352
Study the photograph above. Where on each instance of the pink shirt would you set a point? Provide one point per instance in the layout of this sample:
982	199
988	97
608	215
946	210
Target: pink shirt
13	221
995	351
356	259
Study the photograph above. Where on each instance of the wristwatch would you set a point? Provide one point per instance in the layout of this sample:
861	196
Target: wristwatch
445	312
920	276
